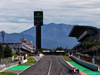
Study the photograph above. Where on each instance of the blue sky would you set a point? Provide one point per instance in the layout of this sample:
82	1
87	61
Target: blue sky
17	15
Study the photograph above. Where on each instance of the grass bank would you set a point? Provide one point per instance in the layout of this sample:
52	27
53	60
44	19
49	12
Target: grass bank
67	58
15	55
7	73
30	61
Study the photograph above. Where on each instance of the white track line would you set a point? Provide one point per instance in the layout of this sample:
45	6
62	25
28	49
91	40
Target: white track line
50	68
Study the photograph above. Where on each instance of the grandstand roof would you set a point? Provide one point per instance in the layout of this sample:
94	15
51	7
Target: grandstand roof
78	30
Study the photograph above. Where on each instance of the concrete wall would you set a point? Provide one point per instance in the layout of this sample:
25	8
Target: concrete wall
87	65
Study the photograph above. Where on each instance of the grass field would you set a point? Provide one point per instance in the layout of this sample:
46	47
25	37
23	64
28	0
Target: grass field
7	73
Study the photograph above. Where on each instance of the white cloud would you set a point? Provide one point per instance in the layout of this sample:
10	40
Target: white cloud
24	20
15	27
16	13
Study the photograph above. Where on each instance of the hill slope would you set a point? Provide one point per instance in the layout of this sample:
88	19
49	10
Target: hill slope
53	35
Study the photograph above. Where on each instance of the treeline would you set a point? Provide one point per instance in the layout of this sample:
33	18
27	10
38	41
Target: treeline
88	44
58	48
5	51
61	48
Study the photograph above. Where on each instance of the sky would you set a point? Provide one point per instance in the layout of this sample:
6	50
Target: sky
17	15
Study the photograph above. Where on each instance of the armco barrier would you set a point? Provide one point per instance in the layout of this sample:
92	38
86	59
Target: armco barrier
87	65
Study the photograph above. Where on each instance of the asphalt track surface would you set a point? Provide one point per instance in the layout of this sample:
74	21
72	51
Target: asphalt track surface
49	65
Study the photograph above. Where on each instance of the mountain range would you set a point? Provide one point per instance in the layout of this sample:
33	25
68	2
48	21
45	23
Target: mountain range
53	35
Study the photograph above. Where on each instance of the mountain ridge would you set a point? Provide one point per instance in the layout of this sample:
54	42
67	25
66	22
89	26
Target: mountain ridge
53	35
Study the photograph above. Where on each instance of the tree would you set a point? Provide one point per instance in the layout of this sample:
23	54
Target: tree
59	48
1	51
66	49
7	51
88	44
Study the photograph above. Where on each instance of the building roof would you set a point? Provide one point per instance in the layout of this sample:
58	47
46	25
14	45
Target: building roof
78	30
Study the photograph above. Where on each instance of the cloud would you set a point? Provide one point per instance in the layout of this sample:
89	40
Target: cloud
14	13
15	27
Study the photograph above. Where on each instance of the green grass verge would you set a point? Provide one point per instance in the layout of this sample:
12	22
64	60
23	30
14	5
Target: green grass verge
67	58
92	73
15	55
7	73
80	67
30	60
86	70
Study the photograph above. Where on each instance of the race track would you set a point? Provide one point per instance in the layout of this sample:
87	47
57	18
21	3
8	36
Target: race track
49	65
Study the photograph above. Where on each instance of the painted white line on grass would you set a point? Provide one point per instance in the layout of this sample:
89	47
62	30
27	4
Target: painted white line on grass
50	68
